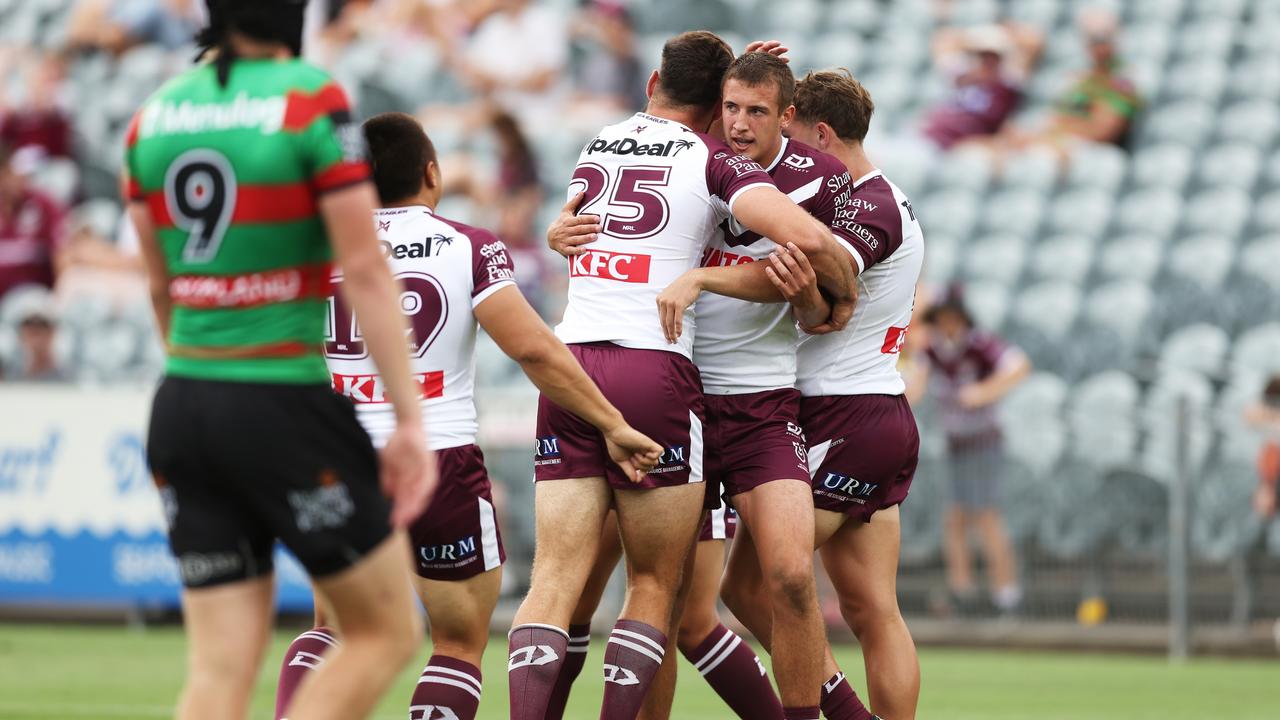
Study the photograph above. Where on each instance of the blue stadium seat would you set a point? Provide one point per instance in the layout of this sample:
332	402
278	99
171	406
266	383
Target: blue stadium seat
1162	12
1185	122
1014	211
1031	170
1220	211
1256	285
1084	212
965	167
1258	78
959	207
1194	282
1205	39
1160	416
989	303
1152	211
1257	352
1040	321
1234	165
1266	213
1113	327
1223	525
1167	166
940	259
996	259
1197	79
1098	167
1252	121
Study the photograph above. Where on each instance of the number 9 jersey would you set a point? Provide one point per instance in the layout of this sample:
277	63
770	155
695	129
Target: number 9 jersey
661	191
445	269
231	177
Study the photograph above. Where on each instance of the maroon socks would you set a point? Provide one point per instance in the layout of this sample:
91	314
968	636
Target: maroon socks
735	672
536	655
448	688
305	653
631	659
840	702
579	643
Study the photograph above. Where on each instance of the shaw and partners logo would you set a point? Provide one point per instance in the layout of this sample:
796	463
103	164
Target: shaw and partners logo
854	489
622	267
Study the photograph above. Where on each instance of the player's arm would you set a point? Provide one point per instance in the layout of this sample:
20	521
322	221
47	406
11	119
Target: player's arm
763	209
374	295
157	270
1012	369
525	338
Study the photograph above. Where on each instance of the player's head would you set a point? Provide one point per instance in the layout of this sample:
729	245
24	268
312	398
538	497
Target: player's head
266	21
831	107
755	104
404	163
693	65
949	320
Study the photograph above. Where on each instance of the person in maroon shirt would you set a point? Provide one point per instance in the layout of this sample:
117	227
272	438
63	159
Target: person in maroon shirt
38	121
988	66
30	230
970	371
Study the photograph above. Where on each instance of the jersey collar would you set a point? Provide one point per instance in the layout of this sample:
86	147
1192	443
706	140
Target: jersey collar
402	208
782	151
867	177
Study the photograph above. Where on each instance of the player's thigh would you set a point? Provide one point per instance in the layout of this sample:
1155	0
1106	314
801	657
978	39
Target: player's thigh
569	515
458	611
228	627
779	516
862	561
373	598
658	526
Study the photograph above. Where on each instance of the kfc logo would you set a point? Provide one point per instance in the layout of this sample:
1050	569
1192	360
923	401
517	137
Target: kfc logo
894	339
369	389
623	267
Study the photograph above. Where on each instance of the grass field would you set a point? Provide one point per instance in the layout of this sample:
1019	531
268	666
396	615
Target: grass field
69	671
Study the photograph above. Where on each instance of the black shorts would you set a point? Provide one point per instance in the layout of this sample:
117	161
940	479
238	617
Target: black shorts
241	465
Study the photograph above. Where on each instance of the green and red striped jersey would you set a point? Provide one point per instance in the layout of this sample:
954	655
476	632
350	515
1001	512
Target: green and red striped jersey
231	177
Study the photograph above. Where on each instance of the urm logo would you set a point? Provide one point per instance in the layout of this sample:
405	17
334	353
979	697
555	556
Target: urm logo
546	446
848	486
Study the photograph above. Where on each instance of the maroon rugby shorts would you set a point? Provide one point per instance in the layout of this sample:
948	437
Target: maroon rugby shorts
658	392
720	524
753	439
457	537
862	450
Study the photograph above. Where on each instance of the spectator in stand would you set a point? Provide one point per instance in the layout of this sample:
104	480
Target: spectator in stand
1098	107
608	79
37	327
1265	417
39	120
988	67
968	372
117	25
30	228
517	59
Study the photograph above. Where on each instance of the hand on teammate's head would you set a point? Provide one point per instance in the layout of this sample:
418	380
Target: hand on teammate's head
773	47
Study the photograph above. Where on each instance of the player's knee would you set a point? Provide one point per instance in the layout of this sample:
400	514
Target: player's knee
868	611
462	640
793	588
694	627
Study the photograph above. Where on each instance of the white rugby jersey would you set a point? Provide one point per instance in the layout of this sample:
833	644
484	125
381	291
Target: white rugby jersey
446	270
660	190
746	347
877	225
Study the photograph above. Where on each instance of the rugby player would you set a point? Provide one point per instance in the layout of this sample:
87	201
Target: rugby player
661	190
454	276
245	179
745	352
863	441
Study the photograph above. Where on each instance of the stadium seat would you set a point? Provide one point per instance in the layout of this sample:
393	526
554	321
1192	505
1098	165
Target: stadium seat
1184	123
989	303
1222	10
1257	352
1137	507
997	259
861	17
1197	79
1256	285
1097	167
1236	165
1194	280
1251	121
1258	78
1114	327
1154	211
1031	170
58	177
958	207
1223	524
1200	348
922	516
1112	394
1130	257
1143	42
1239	441
1150	12
1066	533
1207	39
1065	257
1041	396
1266	213
1219	211
1036	13
965	167
836	50
1165	442
1014	211
1165	166
940	260
1040	320
1084	213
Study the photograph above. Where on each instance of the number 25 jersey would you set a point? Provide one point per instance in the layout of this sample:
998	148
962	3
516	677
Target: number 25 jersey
661	191
445	270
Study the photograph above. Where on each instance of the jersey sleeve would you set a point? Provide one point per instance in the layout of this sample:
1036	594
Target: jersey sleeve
491	266
333	148
130	188
729	174
870	231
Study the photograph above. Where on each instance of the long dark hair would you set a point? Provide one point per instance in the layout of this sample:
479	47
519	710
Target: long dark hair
270	20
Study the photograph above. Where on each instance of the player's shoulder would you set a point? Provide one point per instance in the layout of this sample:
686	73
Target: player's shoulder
800	156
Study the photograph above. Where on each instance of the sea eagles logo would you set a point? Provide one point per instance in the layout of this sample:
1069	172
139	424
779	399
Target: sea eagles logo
799	162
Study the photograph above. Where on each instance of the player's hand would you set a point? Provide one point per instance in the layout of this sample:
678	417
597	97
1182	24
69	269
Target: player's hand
841	314
773	47
633	451
791	273
570	231
408	473
1264	501
674	300
973	396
